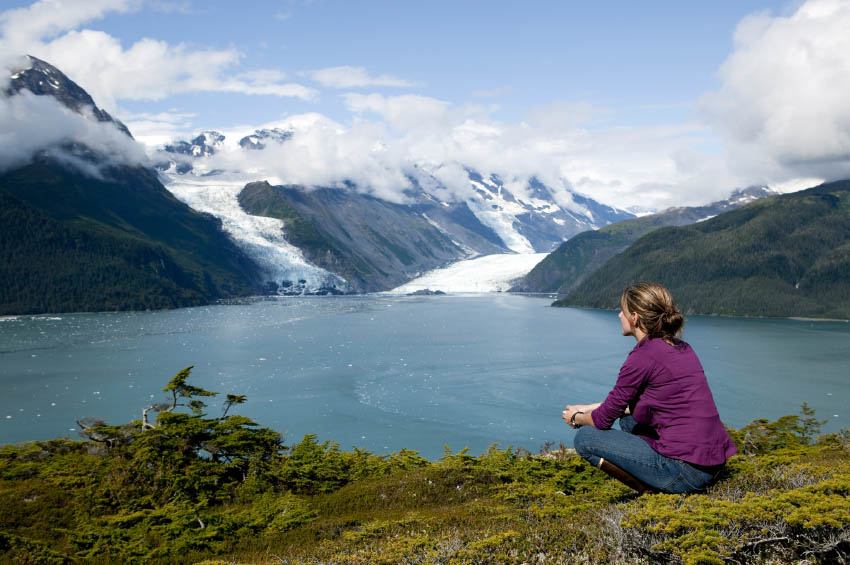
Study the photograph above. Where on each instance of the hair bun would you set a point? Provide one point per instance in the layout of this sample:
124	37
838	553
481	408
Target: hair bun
655	309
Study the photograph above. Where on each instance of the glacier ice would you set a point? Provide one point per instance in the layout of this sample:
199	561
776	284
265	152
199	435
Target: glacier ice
260	237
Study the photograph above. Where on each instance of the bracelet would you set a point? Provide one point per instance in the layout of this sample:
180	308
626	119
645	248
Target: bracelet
573	419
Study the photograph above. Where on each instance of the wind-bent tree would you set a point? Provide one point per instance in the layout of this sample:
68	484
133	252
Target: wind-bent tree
175	435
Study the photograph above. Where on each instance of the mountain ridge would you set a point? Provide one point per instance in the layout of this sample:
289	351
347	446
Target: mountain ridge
788	255
43	79
581	255
530	222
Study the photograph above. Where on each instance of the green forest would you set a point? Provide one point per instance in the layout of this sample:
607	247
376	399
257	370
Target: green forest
787	255
189	486
578	257
71	242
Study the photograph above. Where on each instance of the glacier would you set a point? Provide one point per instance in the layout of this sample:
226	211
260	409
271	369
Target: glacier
262	238
491	273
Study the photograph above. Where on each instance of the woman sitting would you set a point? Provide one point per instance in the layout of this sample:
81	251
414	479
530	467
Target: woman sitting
672	439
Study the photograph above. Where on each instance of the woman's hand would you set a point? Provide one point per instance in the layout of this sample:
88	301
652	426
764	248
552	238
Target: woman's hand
571	409
568	412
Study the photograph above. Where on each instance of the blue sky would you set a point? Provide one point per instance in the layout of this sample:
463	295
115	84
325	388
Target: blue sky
653	103
640	62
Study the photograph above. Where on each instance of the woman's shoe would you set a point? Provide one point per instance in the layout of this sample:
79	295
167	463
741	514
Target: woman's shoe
630	481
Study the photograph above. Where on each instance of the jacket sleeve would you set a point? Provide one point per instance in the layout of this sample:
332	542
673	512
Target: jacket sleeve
633	375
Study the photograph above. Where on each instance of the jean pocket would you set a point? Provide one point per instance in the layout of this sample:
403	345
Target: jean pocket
696	478
688	479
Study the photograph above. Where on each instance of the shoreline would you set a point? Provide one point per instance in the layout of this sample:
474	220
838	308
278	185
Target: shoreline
731	316
260	297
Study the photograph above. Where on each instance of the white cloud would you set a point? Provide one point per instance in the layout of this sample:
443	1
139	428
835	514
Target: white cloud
30	123
158	128
783	106
47	18
407	112
354	77
148	69
394	139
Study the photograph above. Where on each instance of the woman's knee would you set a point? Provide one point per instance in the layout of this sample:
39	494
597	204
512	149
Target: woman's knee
584	441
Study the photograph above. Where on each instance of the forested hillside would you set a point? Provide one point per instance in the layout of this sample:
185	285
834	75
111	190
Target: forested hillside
783	256
74	242
577	258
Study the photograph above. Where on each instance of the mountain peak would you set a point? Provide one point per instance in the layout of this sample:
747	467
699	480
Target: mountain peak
750	193
43	79
256	140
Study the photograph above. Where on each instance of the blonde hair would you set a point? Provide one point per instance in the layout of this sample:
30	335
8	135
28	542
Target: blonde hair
657	314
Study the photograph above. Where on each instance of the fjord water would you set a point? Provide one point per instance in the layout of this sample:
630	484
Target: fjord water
390	372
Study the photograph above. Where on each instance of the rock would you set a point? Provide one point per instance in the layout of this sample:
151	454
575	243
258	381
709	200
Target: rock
426	292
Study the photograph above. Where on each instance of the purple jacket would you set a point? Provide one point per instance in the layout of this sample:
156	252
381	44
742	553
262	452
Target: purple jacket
665	388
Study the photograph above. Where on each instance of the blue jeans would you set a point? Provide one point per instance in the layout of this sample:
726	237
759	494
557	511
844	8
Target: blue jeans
633	454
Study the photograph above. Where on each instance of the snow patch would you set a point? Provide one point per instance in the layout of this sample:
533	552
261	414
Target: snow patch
468	251
499	214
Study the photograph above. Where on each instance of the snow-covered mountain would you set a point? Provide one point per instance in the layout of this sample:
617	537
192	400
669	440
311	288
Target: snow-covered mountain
483	217
204	145
261	137
43	79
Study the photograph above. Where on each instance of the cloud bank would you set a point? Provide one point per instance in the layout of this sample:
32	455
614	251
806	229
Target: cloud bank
394	139
30	124
783	107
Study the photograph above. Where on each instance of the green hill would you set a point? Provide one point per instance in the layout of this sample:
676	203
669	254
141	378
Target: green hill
73	242
787	255
574	260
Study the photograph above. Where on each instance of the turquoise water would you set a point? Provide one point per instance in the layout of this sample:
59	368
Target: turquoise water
386	373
